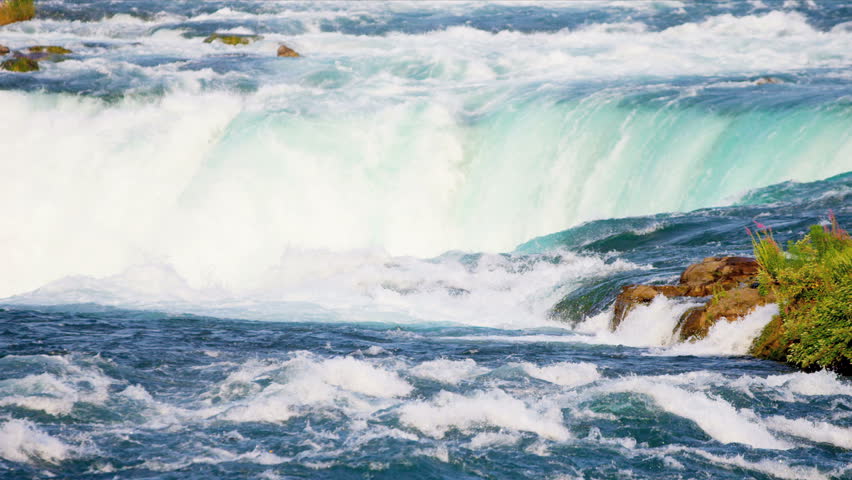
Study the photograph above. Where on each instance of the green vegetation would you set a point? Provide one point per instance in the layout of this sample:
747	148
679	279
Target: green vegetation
55	50
16	11
812	281
20	65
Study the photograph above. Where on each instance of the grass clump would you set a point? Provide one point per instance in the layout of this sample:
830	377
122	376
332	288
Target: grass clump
812	281
16	11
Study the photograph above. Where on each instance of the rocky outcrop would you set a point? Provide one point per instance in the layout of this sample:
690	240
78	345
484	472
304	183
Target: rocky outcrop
20	65
731	281
4	50
728	304
285	51
717	273
232	38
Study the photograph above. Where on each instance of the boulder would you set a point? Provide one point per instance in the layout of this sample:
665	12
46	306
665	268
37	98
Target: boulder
285	51
4	50
232	38
20	64
718	273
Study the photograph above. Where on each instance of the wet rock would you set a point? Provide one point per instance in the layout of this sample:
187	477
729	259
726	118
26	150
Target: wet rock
38	53
718	276
730	304
285	51
718	273
51	49
232	38
768	81
4	50
20	65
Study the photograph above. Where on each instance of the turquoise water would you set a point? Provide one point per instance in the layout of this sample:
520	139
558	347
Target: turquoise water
395	256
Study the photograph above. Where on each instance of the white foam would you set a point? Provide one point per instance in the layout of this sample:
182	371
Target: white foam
21	441
566	374
778	469
494	408
448	371
727	338
58	392
649	325
812	430
493	439
300	385
798	386
716	417
360	285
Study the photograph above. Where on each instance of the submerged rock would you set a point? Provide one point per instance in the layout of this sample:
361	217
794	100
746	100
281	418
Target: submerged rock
4	50
52	49
768	81
285	51
20	65
232	38
51	53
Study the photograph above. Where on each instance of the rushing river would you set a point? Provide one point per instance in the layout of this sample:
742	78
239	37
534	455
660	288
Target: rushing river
395	256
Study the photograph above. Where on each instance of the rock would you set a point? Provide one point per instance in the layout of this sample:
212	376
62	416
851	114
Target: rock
718	273
285	51
20	64
731	305
4	50
51	49
768	81
232	38
729	279
51	53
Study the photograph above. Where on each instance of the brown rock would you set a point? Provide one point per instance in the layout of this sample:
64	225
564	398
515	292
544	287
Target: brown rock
718	273
4	50
285	51
712	276
768	81
731	305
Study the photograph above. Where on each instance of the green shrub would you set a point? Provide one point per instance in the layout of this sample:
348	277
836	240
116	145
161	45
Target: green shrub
16	10
812	281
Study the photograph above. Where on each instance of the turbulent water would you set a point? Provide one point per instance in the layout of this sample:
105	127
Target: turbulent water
395	256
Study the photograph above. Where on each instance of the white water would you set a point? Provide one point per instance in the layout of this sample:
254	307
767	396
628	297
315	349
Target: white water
410	144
